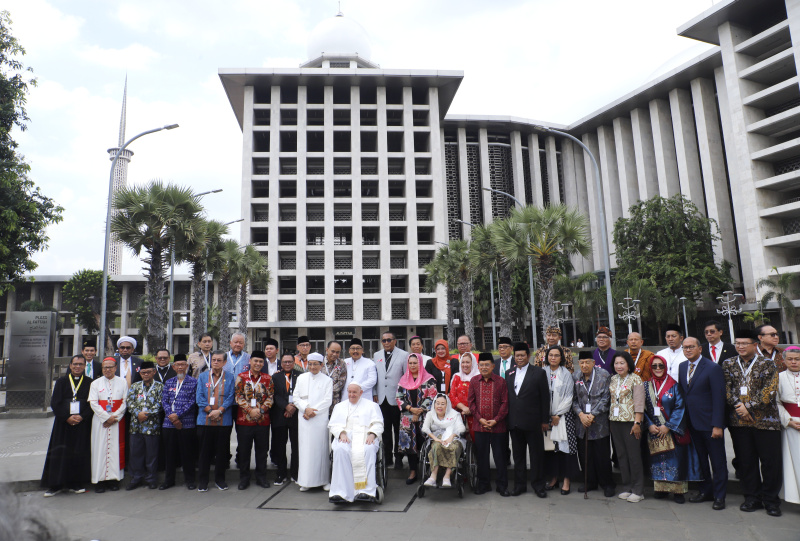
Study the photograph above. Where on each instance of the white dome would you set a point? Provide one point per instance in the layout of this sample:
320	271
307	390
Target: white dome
339	36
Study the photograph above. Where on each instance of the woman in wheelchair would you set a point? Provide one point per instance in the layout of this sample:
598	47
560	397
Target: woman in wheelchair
445	428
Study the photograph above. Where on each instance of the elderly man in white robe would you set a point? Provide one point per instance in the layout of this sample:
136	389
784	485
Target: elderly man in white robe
107	400
356	426
313	395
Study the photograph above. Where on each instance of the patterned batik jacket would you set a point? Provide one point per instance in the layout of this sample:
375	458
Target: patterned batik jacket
141	398
762	392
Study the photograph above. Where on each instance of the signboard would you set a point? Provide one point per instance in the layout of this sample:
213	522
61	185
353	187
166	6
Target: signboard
344	333
30	355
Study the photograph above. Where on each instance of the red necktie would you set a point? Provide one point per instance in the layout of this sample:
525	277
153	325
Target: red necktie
714	352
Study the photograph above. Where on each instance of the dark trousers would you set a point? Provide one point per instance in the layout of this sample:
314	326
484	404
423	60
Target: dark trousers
280	435
713	450
215	441
752	446
246	437
629	452
597	463
527	442
496	441
144	457
179	445
391	429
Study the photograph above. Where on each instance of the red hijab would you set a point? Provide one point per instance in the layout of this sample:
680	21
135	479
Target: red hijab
408	381
665	380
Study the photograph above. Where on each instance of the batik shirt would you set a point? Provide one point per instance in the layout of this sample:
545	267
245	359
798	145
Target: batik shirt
141	398
180	400
338	373
599	400
762	392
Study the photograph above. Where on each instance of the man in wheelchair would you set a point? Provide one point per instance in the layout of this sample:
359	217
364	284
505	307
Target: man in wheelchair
356	426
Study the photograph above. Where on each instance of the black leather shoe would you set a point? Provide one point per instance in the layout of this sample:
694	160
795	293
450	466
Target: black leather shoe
719	505
679	498
700	498
541	492
133	485
565	492
336	499
191	486
152	486
773	510
479	491
99	488
550	487
243	485
518	491
609	492
582	488
753	505
113	486
262	484
411	480
505	493
165	486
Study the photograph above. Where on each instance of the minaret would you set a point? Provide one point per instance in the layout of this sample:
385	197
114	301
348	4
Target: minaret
120	180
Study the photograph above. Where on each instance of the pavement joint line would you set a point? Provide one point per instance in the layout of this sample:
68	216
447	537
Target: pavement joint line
338	509
15	445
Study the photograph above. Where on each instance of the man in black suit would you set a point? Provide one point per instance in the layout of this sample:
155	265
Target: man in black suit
94	367
714	348
703	384
128	364
528	418
283	418
505	361
164	370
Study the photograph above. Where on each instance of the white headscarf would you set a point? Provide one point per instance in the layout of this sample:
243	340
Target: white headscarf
128	339
451	422
473	371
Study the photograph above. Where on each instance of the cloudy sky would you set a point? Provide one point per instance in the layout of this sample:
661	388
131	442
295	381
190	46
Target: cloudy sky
553	61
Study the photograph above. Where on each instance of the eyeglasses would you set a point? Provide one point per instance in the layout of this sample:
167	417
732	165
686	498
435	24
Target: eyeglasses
659	365
124	347
711	331
162	358
743	344
772	334
689	347
462	344
387	340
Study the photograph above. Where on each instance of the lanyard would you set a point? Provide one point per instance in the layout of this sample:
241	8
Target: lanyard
159	374
289	385
745	373
75	389
206	359
147	390
763	354
637	358
589	387
214	385
331	371
620	386
303	366
658	391
235	362
253	383
177	390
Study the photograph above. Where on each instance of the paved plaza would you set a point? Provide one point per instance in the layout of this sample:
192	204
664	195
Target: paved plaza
178	514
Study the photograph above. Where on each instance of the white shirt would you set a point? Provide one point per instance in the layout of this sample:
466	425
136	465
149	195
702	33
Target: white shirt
509	363
363	372
519	378
580	344
124	367
715	351
674	359
272	367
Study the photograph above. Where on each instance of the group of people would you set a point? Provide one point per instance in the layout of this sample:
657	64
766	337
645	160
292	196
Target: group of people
659	415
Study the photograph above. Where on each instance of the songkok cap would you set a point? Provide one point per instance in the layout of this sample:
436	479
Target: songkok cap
356	342
128	339
522	346
603	330
258	355
585	355
504	340
316	357
747	334
90	343
179	357
270	342
485	356
303	339
676	328
147	364
552	329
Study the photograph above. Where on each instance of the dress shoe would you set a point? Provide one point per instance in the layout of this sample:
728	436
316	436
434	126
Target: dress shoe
336	499
191	486
99	488
582	488
564	492
719	505
518	491
773	510
165	486
752	505
679	498
700	497
244	484
541	492
113	486
411	480
263	484
304	489
133	485
609	492
505	493
152	486
326	487
479	491
550	487
279	480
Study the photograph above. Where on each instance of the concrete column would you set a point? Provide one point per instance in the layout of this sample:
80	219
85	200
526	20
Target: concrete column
274	199
552	169
571	191
793	15
608	168
439	194
517	165
691	179
123	326
536	167
463	180
664	143
644	150
715	179
590	140
486	177
357	247
626	164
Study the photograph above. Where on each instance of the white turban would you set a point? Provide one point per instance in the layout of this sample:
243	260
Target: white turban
129	339
316	357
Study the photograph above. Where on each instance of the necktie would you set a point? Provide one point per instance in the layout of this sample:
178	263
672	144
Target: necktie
691	371
288	382
388	355
714	352
128	373
503	372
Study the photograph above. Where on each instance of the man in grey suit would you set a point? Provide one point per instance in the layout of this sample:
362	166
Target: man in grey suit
391	364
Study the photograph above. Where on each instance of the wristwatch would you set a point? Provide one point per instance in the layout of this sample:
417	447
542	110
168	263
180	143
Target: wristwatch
638	423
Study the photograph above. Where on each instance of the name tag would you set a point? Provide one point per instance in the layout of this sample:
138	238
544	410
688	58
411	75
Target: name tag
291	398
74	408
108	407
743	390
443	386
588	408
211	401
616	412
252	402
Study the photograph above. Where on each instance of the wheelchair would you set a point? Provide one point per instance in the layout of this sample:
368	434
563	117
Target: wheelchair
464	474
380	478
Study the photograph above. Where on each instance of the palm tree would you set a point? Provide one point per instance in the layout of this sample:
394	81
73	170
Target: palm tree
202	255
484	256
230	256
756	318
254	271
152	218
442	270
550	236
573	289
780	292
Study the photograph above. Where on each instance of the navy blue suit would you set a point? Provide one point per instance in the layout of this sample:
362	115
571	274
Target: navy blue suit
705	408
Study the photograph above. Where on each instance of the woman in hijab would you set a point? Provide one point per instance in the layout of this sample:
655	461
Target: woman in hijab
442	367
445	427
673	459
459	388
561	462
415	393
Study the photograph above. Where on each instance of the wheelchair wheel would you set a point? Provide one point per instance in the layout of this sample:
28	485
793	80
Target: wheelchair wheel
379	495
460	490
421	491
472	468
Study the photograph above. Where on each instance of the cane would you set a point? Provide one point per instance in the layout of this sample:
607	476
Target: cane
586	468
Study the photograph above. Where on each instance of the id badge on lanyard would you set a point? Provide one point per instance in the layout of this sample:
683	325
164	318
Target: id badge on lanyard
74	407
109	405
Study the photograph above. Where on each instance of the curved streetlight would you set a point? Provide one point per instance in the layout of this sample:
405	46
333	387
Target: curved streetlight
530	273
205	312
685	322
104	291
630	311
491	287
728	301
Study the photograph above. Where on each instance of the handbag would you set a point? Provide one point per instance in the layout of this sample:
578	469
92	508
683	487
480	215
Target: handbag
549	444
660	445
686	439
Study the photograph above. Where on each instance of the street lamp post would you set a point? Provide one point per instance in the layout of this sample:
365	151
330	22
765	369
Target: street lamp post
630	311
728	308
205	313
560	308
104	291
602	214
685	321
491	287
530	273
171	297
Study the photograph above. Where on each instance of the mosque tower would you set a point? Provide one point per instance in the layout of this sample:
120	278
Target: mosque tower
120	180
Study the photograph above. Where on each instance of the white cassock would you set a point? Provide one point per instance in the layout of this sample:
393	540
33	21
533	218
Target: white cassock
313	391
363	372
108	444
354	462
789	399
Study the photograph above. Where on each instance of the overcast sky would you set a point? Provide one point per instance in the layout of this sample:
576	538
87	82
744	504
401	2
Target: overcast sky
554	61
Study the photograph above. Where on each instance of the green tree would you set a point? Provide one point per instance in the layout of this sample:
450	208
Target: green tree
82	294
231	257
443	270
253	271
667	244
575	290
782	293
24	211
485	256
202	254
151	218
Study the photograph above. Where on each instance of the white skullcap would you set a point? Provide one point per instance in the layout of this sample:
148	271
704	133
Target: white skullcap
130	339
316	357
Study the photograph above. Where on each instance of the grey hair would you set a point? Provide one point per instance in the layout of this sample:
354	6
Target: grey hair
25	521
234	335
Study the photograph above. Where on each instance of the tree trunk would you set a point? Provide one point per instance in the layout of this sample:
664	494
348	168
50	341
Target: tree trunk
224	311
451	328
466	306
506	302
544	276
243	312
198	323
156	300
